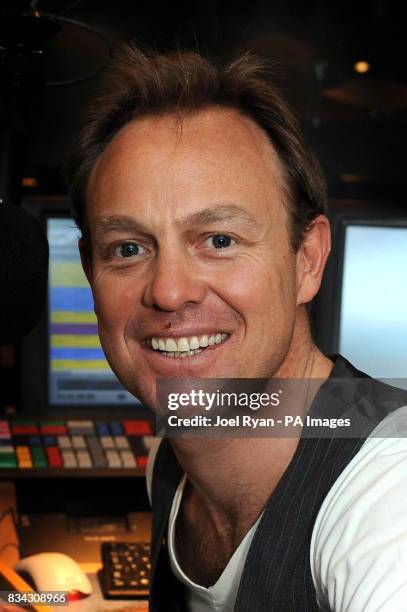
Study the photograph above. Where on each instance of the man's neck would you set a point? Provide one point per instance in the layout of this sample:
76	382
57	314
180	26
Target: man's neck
234	477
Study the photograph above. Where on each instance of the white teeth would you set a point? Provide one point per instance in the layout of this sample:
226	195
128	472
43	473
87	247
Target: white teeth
183	344
194	343
203	341
185	347
170	345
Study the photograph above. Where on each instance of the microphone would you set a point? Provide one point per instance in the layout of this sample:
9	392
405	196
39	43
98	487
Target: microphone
23	272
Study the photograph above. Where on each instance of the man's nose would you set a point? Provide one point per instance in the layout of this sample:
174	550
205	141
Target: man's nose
173	284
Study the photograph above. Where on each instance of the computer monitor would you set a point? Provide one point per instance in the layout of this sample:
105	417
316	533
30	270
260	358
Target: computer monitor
361	311
62	362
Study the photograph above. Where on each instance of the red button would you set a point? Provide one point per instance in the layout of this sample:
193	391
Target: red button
54	430
24	429
141	461
137	428
54	456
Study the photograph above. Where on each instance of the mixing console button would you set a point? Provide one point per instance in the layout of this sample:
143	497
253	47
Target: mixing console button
24	428
64	442
113	459
116	428
39	458
107	442
121	442
69	459
142	461
78	442
128	459
53	428
4	430
137	428
8	459
23	457
102	429
84	460
54	457
148	441
85	428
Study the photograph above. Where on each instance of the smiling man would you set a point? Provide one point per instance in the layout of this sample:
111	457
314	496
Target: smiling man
204	237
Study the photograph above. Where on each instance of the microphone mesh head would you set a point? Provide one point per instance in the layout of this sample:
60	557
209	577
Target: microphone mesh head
23	272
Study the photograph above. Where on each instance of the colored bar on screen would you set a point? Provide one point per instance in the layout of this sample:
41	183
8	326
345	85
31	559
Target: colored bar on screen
74	364
85	341
70	316
67	274
77	353
78	299
74	328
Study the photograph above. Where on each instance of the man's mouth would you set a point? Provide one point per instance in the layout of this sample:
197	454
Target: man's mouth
185	346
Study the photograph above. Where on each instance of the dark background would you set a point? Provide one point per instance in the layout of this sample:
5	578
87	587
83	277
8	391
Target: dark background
356	122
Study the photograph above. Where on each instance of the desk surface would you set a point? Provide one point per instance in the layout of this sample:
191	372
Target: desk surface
9	553
96	603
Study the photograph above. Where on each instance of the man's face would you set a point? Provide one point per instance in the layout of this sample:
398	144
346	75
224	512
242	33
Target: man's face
190	244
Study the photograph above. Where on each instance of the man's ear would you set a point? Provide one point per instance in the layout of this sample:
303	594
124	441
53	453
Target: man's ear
85	259
311	259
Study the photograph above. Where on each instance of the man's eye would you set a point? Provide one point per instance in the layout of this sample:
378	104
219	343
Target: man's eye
128	249
220	241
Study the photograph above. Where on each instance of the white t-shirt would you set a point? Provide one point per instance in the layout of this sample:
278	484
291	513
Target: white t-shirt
358	550
359	543
221	596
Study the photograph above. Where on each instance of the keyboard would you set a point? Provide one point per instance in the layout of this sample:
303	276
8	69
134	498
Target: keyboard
126	570
80	444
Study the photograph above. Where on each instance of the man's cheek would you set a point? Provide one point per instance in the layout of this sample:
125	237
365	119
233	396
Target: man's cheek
239	287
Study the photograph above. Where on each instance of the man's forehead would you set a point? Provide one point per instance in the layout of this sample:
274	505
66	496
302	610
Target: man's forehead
204	183
215	130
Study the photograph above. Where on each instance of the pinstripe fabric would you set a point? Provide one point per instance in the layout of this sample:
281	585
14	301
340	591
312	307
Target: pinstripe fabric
281	580
277	573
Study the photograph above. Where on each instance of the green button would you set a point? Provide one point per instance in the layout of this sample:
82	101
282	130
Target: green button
24	422
38	456
8	460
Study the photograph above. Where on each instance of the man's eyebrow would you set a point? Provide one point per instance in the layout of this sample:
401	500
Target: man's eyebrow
206	216
118	223
214	214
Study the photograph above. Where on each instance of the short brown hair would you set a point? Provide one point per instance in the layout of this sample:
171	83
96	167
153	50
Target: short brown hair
140	84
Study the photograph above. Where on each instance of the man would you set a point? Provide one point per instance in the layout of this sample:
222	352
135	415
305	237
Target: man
204	237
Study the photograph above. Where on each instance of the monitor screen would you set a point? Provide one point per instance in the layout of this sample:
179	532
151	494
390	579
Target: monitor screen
78	373
373	308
